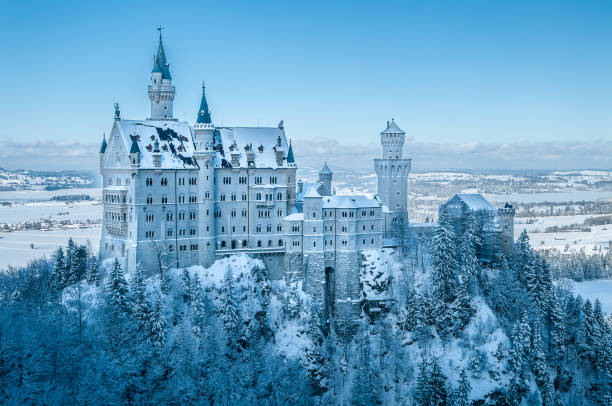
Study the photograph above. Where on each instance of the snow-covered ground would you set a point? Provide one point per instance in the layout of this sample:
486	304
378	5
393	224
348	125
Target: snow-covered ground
599	236
38	195
596	289
15	247
52	210
560	197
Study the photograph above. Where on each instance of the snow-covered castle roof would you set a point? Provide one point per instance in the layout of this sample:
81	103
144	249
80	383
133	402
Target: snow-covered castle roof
175	142
263	142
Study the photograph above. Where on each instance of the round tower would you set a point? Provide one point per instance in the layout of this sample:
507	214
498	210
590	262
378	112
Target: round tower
325	177
506	219
392	172
161	91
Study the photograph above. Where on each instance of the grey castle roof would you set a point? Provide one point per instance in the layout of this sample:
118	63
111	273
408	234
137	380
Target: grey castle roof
392	128
325	170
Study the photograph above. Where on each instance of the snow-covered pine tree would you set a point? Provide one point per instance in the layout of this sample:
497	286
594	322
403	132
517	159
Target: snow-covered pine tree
556	328
317	365
520	256
421	390
437	385
198	309
519	359
462	395
117	288
602	347
141	310
588	338
443	259
367	388
157	325
462	308
59	270
538	358
93	274
70	249
78	264
230	315
470	266
186	278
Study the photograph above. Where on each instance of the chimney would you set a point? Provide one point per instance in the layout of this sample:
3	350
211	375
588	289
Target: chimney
235	159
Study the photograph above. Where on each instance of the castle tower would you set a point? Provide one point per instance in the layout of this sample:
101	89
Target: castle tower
203	132
161	91
325	177
392	172
506	219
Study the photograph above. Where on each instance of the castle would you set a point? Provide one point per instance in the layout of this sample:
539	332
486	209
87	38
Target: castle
177	195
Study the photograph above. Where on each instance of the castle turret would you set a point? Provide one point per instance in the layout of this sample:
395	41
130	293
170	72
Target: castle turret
161	90
506	219
392	172
325	177
134	153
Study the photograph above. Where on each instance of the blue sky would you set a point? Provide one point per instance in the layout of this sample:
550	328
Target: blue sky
449	72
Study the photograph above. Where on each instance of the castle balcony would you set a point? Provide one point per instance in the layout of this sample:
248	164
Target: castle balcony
228	251
268	204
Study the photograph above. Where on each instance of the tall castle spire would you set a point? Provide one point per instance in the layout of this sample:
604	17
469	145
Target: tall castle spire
161	91
204	114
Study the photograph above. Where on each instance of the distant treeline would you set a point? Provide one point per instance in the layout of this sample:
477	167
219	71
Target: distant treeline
72	197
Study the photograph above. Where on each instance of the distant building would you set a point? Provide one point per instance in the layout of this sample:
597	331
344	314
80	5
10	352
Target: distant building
496	226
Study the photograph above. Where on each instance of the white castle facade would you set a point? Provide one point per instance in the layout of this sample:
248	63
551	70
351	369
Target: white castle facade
177	195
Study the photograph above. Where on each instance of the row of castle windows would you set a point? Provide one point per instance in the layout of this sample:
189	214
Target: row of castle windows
164	181
118	182
112	216
109	198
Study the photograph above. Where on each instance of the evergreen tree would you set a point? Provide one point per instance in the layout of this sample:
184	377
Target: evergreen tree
59	270
589	336
443	259
520	258
70	251
157	325
186	286
78	264
93	276
117	288
538	359
229	314
556	328
519	359
421	392
462	308
197	306
462	397
470	266
140	305
437	385
367	386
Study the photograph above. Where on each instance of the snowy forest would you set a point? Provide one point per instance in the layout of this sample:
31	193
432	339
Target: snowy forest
447	332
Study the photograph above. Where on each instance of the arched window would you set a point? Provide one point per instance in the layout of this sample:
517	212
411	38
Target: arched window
259	243
280	243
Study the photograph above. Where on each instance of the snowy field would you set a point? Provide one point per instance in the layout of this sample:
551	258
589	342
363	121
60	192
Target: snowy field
39	195
597	289
15	247
572	196
51	210
599	237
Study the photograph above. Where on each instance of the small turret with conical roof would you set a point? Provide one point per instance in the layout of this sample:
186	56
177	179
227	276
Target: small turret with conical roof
290	157
204	116
161	91
104	145
325	177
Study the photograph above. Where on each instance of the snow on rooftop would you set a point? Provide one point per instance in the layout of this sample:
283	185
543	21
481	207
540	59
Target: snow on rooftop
262	140
175	142
476	202
295	217
348	202
392	128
